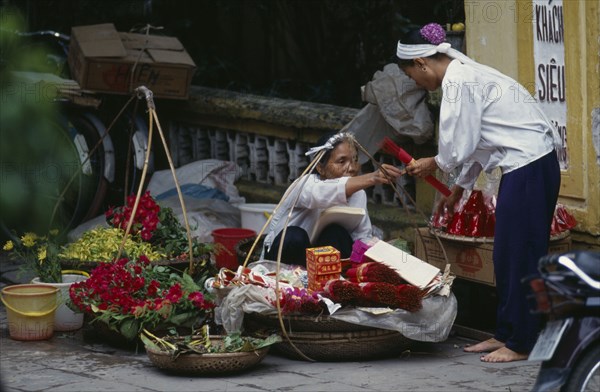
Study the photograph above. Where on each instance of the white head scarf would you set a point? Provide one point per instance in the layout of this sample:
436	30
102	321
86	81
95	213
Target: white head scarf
411	52
330	143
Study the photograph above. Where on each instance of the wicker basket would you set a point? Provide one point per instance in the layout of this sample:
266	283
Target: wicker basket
343	346
325	323
243	247
207	364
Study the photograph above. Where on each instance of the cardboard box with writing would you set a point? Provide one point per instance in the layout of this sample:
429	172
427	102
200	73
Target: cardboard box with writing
322	264
104	60
472	261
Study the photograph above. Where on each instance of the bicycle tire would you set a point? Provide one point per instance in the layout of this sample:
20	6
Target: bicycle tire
91	129
44	160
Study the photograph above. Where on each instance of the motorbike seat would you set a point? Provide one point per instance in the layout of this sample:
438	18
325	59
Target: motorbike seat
588	262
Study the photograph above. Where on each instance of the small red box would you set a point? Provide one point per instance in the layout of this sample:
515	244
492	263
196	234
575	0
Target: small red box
322	264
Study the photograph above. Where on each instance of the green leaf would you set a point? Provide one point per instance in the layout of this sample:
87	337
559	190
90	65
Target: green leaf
129	329
149	343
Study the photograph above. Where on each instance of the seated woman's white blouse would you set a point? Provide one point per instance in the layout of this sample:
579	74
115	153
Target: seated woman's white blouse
488	121
316	195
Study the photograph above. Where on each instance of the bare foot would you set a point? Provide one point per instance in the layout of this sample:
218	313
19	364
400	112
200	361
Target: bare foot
485	346
504	354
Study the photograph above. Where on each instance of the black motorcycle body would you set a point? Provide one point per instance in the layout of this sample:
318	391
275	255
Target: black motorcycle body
567	292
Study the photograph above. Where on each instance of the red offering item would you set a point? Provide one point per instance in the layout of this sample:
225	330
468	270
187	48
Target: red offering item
322	264
342	291
561	221
391	148
476	218
405	297
373	272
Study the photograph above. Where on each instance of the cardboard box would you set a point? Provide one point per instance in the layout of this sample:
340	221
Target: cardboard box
322	264
102	59
472	261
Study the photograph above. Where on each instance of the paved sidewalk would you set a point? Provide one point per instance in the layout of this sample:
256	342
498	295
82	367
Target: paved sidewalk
68	362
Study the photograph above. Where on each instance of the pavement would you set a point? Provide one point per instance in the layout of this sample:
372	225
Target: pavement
75	361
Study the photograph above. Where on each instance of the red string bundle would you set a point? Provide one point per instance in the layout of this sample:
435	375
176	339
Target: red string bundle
391	148
373	272
342	291
403	296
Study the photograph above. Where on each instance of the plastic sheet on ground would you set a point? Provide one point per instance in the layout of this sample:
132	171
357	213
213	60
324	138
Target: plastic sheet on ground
211	179
430	324
212	173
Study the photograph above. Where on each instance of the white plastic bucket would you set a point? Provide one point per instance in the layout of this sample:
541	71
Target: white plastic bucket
66	319
255	215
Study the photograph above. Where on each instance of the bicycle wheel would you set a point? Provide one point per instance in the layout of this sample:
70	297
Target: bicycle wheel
86	130
42	185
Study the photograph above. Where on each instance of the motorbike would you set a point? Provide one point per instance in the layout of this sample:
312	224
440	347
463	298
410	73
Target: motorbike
567	295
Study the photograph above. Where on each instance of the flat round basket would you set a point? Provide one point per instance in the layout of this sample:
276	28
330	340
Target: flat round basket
348	346
207	364
484	240
323	323
243	247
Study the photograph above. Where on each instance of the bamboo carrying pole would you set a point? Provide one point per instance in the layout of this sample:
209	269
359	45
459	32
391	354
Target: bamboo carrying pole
141	92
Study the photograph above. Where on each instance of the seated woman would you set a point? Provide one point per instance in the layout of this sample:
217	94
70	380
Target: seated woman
336	184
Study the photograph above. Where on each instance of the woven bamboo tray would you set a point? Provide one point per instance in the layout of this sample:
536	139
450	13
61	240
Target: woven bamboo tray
300	323
343	346
484	240
243	247
207	364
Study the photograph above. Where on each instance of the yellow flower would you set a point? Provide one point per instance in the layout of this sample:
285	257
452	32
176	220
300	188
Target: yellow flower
53	232
29	239
42	254
8	246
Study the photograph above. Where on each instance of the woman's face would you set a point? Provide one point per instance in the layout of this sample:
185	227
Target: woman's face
422	75
343	162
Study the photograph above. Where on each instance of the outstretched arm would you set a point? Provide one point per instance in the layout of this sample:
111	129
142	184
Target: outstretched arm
384	175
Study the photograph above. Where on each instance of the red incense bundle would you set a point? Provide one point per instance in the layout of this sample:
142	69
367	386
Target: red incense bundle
342	291
373	272
391	148
403	296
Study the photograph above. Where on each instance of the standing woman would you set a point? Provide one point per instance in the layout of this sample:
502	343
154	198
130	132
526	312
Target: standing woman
336	183
488	120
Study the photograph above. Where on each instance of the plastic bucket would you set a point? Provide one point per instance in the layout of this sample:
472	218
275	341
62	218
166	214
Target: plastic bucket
30	310
66	319
229	238
255	215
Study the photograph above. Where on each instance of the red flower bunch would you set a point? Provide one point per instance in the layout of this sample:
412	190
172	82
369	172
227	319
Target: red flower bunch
146	217
129	295
298	300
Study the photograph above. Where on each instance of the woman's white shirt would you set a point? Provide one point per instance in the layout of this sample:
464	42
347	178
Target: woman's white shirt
315	196
488	120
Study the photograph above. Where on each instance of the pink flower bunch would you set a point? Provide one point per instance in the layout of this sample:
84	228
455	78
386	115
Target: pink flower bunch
146	217
433	33
139	294
299	300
